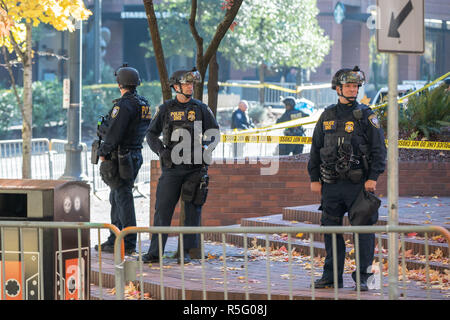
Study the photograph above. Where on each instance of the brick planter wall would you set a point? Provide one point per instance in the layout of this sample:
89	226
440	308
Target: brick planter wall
239	190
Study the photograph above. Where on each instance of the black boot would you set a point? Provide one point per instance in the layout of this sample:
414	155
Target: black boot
106	247
186	257
363	281
324	283
148	258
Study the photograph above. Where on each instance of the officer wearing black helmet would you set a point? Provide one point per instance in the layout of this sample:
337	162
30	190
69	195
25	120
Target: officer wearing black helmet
189	134
290	114
122	132
348	153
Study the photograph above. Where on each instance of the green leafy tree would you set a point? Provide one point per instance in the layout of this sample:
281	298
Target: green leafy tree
173	39
277	33
17	19
427	113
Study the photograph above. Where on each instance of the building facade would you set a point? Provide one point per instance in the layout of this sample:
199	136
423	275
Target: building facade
347	22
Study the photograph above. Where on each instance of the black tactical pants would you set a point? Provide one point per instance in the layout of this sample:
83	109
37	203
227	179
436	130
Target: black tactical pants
122	203
336	201
167	195
286	149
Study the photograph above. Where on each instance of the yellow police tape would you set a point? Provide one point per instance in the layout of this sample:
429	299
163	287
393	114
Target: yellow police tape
274	87
409	144
312	119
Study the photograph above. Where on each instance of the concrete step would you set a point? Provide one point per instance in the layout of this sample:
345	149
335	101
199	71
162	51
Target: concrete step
417	246
311	215
101	294
275	241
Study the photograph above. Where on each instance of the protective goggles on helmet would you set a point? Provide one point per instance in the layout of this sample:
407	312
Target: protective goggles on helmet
191	76
352	77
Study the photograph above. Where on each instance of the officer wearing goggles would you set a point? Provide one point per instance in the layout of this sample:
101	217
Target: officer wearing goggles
348	153
188	129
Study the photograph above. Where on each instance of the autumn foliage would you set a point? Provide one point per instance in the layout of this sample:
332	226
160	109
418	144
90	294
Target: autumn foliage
60	14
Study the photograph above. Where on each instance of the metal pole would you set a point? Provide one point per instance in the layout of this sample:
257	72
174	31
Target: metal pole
73	148
393	175
97	30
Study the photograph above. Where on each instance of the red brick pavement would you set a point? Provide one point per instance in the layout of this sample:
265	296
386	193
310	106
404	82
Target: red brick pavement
213	275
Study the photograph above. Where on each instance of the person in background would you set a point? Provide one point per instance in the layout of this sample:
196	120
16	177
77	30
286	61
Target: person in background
290	114
240	121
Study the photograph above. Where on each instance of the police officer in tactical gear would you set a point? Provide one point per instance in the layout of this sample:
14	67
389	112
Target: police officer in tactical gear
123	131
290	114
348	154
184	169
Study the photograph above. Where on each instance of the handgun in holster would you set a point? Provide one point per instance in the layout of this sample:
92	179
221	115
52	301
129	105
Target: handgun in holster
202	189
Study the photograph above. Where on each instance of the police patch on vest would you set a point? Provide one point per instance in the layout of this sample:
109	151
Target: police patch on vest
191	115
374	121
296	116
146	114
115	111
329	125
349	126
177	116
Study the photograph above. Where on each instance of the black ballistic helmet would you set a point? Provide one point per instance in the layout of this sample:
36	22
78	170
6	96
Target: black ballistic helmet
346	75
127	76
289	101
185	76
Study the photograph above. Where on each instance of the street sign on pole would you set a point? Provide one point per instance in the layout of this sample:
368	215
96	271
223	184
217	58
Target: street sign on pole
66	93
401	27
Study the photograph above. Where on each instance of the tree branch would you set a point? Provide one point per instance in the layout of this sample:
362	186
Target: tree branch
222	29
11	75
198	39
158	49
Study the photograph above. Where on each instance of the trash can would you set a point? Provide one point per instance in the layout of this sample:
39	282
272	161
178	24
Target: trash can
32	263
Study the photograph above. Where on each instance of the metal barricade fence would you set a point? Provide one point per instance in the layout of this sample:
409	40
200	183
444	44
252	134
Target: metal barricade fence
11	159
22	229
57	158
48	160
120	265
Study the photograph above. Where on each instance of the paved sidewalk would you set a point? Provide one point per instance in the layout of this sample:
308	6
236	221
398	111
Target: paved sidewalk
100	212
414	209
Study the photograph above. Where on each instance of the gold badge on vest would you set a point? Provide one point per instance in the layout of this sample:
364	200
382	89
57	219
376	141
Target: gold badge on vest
191	115
349	126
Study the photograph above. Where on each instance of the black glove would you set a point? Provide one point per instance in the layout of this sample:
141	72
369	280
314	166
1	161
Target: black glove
165	158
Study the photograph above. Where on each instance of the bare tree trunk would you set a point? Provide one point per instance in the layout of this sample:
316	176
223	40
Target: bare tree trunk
202	60
157	46
27	109
213	86
261	81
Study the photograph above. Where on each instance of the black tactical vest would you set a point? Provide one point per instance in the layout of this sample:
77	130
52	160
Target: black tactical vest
343	141
183	117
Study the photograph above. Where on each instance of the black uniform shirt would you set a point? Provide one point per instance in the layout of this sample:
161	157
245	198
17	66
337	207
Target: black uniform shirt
127	121
291	115
240	120
374	137
173	106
